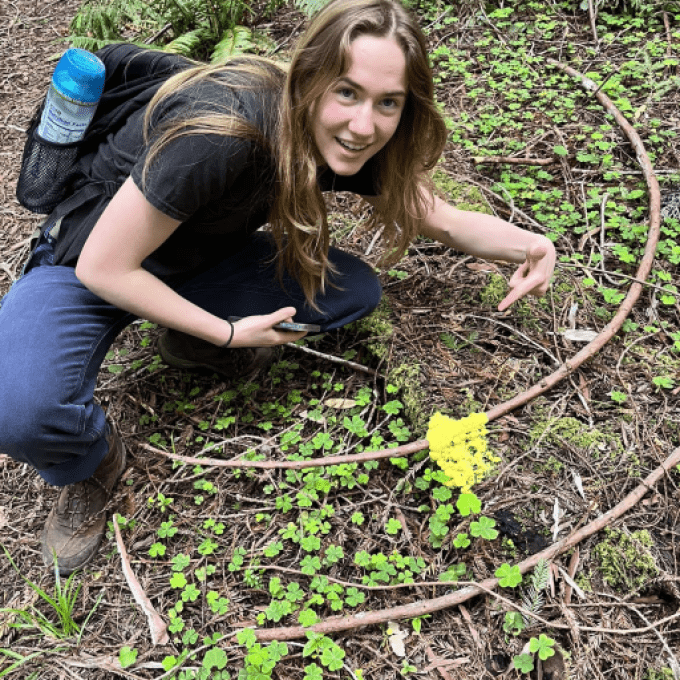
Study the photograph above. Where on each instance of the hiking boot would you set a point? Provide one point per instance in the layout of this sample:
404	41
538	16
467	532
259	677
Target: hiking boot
76	524
185	351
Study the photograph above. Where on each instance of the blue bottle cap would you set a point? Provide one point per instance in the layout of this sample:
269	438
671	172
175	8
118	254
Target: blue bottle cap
80	75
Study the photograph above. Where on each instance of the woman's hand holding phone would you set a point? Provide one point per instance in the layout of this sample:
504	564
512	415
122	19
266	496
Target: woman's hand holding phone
268	330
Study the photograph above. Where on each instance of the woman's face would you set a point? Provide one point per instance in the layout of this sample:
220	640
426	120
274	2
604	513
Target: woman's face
361	110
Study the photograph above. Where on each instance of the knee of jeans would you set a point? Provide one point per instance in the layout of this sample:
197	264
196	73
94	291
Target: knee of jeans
26	417
365	289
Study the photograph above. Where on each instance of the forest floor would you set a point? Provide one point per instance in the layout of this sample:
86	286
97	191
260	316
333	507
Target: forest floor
217	550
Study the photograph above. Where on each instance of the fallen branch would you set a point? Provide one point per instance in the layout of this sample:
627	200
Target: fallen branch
158	627
397	452
409	611
336	360
479	160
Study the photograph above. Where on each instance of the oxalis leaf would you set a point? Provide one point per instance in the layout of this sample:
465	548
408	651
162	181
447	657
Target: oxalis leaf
127	656
484	528
468	503
524	663
508	577
543	645
246	637
215	658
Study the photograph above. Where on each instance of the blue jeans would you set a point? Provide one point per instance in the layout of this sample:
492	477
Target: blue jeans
54	334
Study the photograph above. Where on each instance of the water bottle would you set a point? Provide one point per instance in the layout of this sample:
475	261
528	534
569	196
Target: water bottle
72	98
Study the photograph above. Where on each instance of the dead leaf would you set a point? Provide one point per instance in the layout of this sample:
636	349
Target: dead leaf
3	518
440	664
577	335
396	638
473	630
340	403
482	267
572	585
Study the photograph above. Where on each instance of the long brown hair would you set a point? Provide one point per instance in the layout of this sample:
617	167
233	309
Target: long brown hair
298	213
299	221
260	76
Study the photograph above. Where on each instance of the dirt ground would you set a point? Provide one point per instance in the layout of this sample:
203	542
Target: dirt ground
467	358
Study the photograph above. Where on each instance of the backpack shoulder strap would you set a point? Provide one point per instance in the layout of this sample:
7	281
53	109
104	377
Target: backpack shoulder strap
133	76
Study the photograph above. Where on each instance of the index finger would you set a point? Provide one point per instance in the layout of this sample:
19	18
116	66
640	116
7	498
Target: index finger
524	287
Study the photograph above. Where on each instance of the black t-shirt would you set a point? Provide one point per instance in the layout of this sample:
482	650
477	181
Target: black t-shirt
219	187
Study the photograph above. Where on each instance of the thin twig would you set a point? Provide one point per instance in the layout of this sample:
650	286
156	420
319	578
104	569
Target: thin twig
158	35
603	229
667	26
554	359
593	19
158	627
479	160
334	359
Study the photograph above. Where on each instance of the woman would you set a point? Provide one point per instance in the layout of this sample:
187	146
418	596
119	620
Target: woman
171	237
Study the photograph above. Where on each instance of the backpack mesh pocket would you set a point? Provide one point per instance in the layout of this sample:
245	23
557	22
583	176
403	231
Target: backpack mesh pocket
47	170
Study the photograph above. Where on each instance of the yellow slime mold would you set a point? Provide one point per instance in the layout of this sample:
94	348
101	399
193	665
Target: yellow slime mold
459	448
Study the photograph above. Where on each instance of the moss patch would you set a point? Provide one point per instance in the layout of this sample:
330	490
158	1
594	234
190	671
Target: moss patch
463	196
494	291
379	328
625	560
406	377
578	434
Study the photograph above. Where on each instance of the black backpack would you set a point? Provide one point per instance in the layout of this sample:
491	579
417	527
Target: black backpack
49	172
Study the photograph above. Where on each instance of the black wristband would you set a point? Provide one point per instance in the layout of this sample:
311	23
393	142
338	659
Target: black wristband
231	336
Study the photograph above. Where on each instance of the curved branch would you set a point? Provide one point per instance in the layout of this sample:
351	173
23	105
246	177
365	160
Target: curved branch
643	270
396	452
408	611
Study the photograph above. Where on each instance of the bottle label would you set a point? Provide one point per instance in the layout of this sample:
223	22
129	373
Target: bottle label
64	120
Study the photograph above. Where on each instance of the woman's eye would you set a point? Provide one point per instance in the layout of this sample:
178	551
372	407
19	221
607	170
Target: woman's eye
345	92
390	103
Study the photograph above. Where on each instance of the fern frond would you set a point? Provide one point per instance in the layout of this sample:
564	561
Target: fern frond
90	44
240	40
541	575
310	7
532	599
237	40
187	43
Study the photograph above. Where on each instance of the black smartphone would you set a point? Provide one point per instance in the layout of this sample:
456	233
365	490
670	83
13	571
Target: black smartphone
288	326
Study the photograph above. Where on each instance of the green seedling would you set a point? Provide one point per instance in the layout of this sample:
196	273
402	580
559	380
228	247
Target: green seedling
127	657
62	604
513	623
